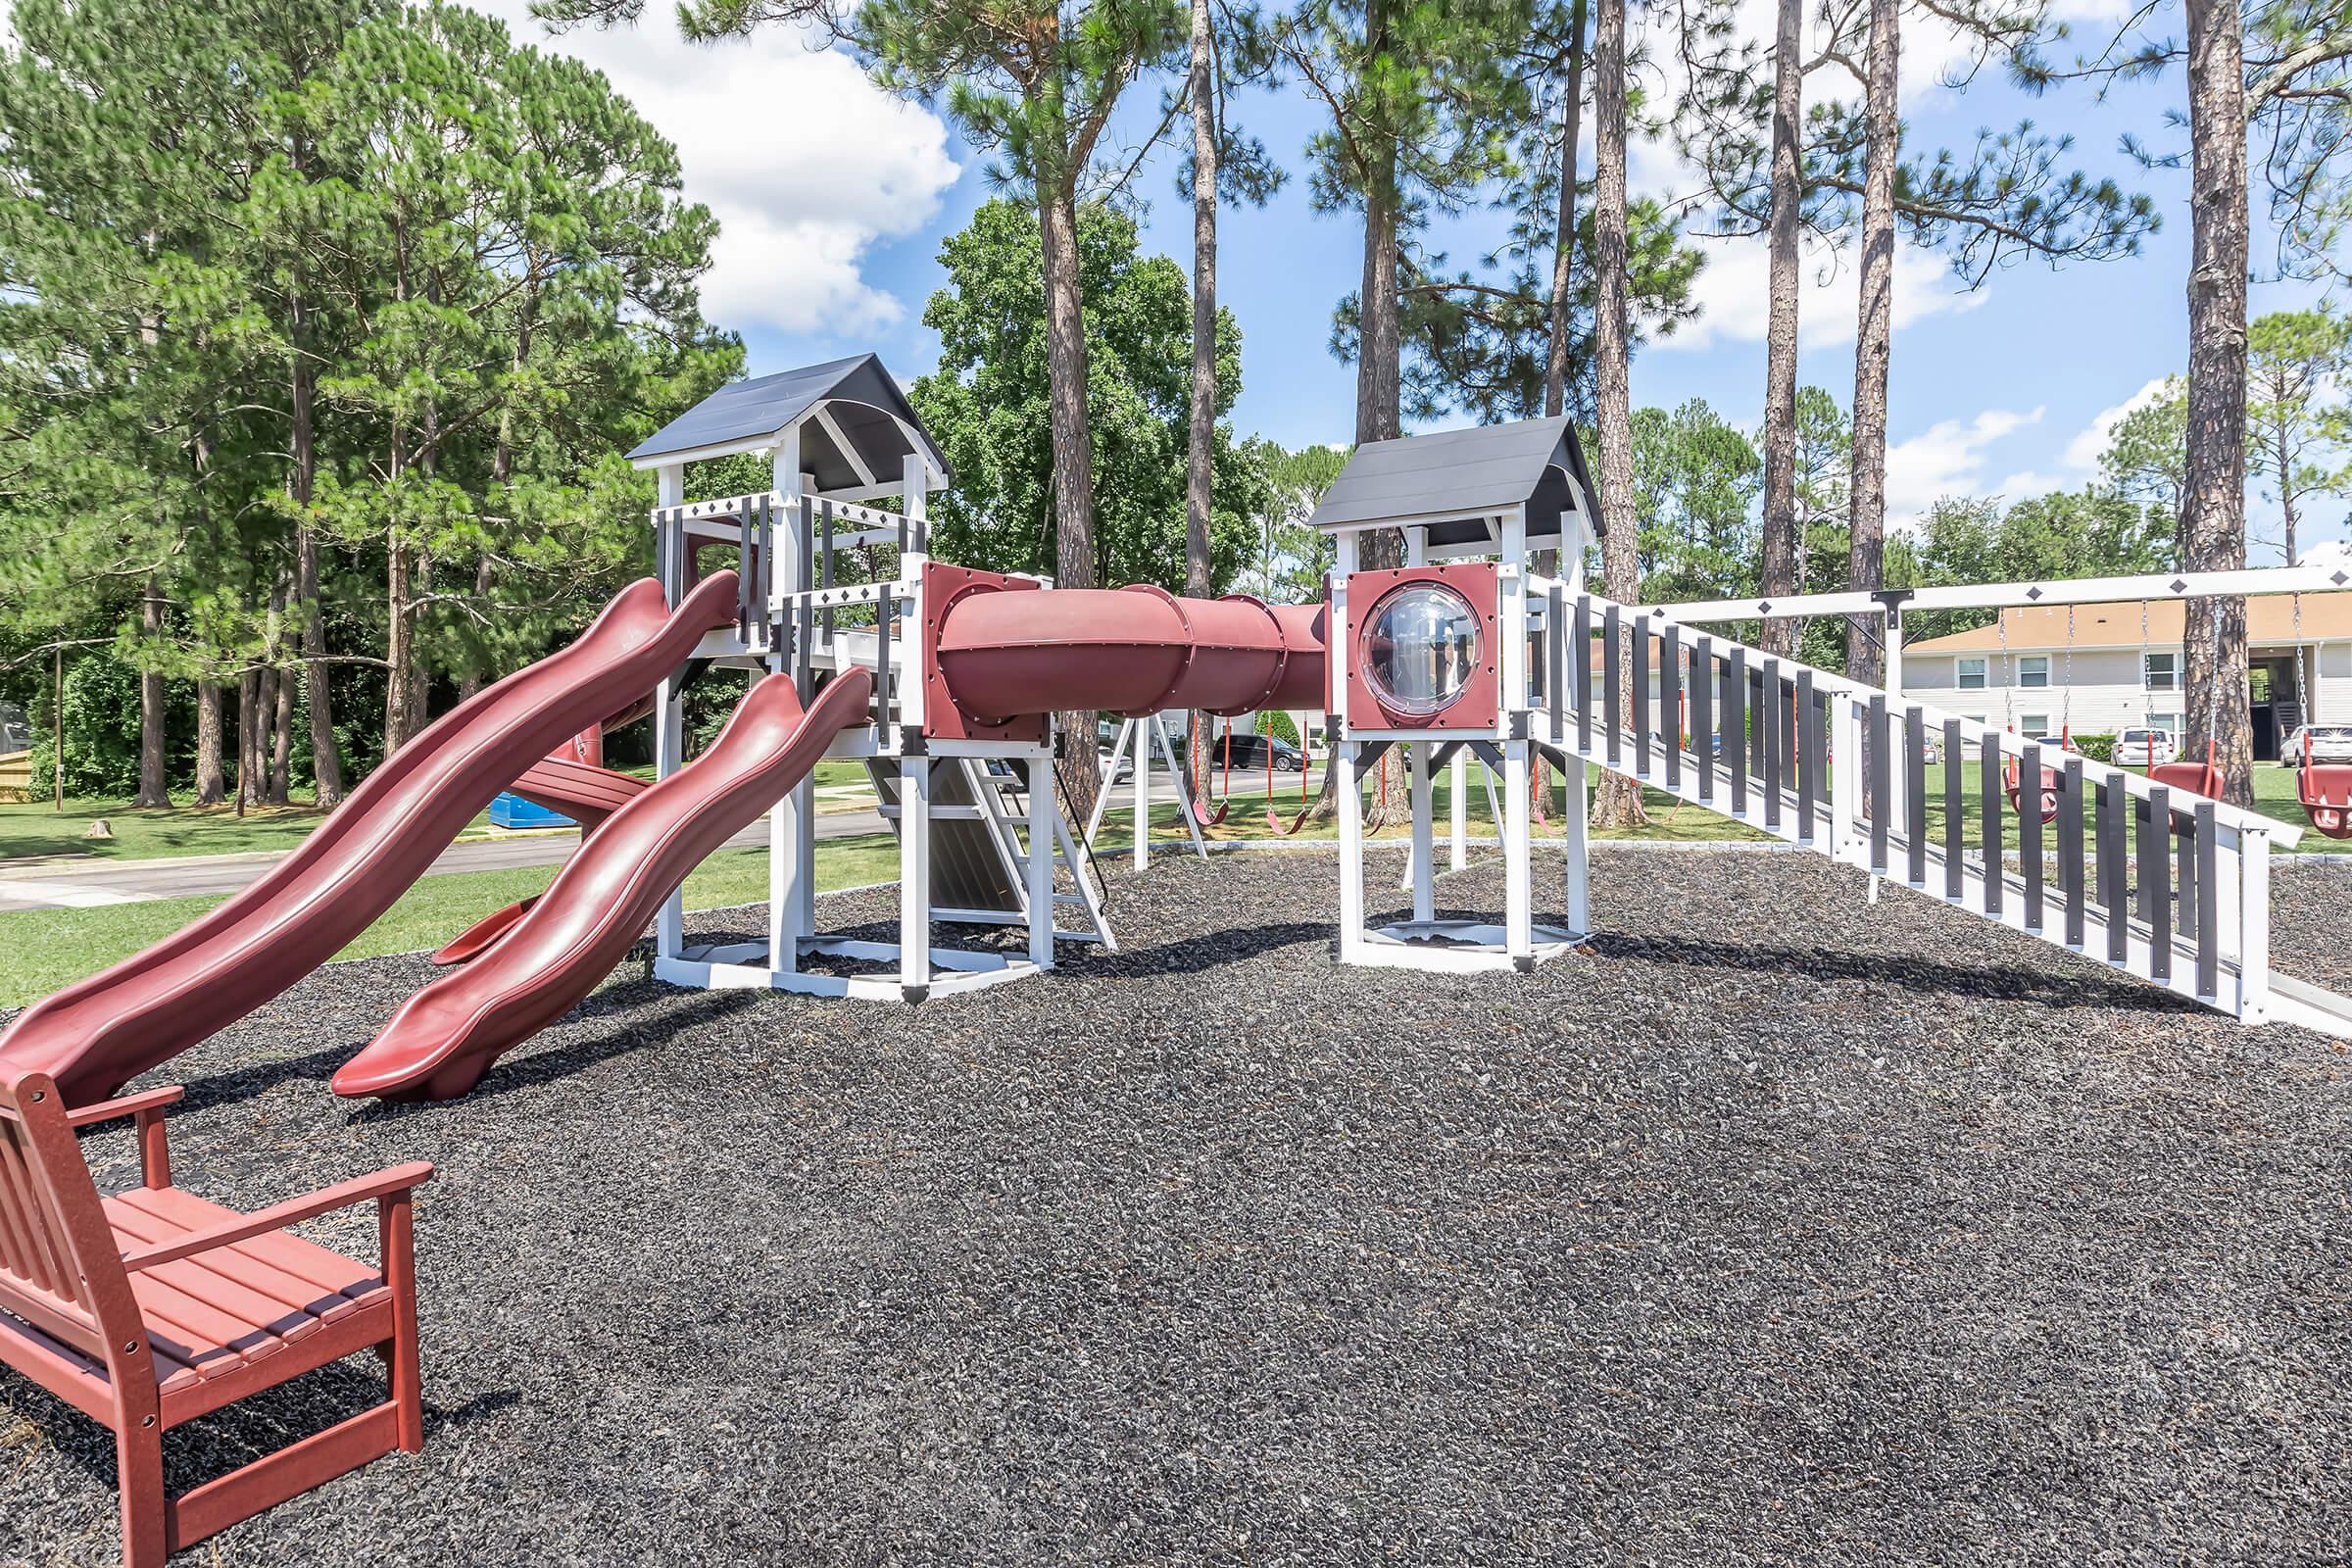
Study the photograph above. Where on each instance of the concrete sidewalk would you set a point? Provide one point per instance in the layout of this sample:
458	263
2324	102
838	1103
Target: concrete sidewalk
54	884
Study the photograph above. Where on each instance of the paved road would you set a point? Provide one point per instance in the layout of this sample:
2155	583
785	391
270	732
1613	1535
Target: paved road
69	884
62	884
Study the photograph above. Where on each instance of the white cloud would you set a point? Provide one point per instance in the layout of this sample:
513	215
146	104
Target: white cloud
2079	463
1945	459
1733	290
804	162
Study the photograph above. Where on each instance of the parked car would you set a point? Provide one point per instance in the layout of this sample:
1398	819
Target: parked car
1249	751
16	735
2329	742
2144	748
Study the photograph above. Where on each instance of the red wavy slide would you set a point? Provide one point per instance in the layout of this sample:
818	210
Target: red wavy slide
443	1038
100	1033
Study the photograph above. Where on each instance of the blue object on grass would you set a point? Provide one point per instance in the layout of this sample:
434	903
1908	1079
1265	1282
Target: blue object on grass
513	811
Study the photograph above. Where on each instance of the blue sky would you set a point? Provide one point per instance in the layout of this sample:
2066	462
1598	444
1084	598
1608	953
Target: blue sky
835	200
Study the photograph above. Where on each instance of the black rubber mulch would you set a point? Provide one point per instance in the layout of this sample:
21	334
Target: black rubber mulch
1779	1228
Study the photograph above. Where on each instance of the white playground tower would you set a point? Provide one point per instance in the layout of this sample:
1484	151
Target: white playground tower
977	819
1475	505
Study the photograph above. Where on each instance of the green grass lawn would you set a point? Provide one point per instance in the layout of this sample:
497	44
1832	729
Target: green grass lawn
39	829
52	948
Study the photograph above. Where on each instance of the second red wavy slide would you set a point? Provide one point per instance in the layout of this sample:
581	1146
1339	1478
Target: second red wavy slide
443	1038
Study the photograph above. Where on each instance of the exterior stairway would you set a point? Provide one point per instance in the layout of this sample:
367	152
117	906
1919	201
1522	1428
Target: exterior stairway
2165	885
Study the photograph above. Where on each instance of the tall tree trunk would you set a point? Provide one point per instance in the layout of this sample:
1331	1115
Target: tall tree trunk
2214	523
1563	249
2283	452
1200	446
211	788
1380	415
249	712
1781	546
326	766
1618	802
1866	550
1201	451
151	791
1073	452
400	720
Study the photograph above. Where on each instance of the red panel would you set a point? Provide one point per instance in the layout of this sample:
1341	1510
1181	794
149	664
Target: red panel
944	588
1481	703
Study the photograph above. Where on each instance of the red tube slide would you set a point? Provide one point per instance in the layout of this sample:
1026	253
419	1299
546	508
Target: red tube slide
99	1032
443	1038
1129	650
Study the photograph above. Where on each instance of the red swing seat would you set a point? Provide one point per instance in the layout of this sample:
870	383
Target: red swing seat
2324	791
1202	813
2191	778
2014	786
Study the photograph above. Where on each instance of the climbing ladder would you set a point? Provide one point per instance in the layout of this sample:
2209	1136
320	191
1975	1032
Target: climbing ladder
977	807
2168	886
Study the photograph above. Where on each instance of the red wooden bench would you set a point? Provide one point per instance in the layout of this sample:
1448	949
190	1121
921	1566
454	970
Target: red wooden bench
146	1309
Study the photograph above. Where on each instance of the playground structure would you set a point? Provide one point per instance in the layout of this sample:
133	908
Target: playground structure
941	682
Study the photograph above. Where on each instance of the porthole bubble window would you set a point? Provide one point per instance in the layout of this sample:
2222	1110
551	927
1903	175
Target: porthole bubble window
1421	646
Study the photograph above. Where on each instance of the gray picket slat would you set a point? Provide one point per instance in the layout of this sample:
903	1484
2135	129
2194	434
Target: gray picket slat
1769	725
1915	778
1882	783
1640	636
1807	741
2155	885
1555	650
1582	673
1669	701
1989	770
2029	834
1955	814
1702	714
2115	877
1611	680
2185	903
2209	946
2073	884
1736	725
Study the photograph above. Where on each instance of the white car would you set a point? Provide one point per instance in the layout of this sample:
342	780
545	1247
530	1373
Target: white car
2329	742
2144	748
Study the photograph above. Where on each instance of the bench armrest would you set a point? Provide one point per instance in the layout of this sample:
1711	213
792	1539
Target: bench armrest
147	1102
148	1108
392	1183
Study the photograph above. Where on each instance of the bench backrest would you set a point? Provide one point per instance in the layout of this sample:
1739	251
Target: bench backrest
59	1267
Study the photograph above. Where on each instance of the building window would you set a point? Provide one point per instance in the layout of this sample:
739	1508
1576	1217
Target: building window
2169	724
2034	671
1971	674
2162	672
2034	725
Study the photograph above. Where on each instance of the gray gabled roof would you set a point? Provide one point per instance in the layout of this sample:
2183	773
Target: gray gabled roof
861	398
1461	474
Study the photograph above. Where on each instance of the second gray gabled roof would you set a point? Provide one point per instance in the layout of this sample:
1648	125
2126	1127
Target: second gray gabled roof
860	399
1457	475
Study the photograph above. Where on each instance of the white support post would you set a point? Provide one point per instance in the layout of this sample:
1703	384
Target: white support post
1846	749
1181	777
1352	852
1518	890
1040	866
1424	826
787	870
1142	849
2254	926
804	794
1457	793
1576	809
669	724
914	876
